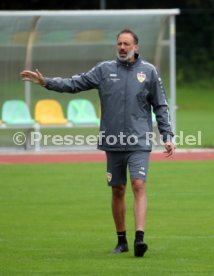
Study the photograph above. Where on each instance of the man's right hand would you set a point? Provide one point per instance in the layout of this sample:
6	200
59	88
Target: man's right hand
35	77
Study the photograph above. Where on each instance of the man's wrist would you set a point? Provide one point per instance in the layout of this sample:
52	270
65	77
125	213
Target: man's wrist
42	82
167	138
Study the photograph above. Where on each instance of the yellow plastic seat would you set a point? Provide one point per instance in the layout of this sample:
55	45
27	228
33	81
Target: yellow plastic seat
49	112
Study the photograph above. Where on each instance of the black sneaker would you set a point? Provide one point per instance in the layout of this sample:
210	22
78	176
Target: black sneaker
120	248
140	248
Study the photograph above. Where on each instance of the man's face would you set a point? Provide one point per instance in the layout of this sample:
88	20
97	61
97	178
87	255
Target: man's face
126	47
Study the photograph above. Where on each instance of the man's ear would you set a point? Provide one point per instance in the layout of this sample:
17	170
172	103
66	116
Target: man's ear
136	48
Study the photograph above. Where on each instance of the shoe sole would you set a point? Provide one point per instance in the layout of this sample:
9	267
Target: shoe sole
140	249
120	250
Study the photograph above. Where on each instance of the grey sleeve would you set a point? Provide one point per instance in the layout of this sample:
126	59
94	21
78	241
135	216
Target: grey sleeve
160	107
76	83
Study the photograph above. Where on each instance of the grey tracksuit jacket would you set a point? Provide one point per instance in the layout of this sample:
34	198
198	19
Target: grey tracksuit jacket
127	91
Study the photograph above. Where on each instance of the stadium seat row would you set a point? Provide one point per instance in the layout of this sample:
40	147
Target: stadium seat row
49	112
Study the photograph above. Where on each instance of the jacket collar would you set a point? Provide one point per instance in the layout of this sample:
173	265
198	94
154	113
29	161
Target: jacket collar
130	64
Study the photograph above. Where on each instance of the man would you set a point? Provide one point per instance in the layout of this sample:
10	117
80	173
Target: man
128	87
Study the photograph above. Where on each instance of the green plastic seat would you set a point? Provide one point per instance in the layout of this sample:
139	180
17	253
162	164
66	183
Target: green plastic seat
82	112
154	122
16	112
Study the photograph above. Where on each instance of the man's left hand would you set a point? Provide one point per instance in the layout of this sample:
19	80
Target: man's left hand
169	149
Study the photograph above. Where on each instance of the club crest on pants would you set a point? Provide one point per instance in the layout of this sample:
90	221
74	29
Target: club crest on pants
109	176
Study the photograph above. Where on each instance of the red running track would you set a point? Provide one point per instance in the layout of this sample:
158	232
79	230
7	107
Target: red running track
28	158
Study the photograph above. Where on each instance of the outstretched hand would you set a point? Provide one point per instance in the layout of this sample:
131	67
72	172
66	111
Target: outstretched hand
35	77
169	149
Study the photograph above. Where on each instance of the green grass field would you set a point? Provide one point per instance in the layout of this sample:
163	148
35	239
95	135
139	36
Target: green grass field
56	220
195	111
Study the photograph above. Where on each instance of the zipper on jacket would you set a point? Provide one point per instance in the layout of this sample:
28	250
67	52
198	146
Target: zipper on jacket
125	99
